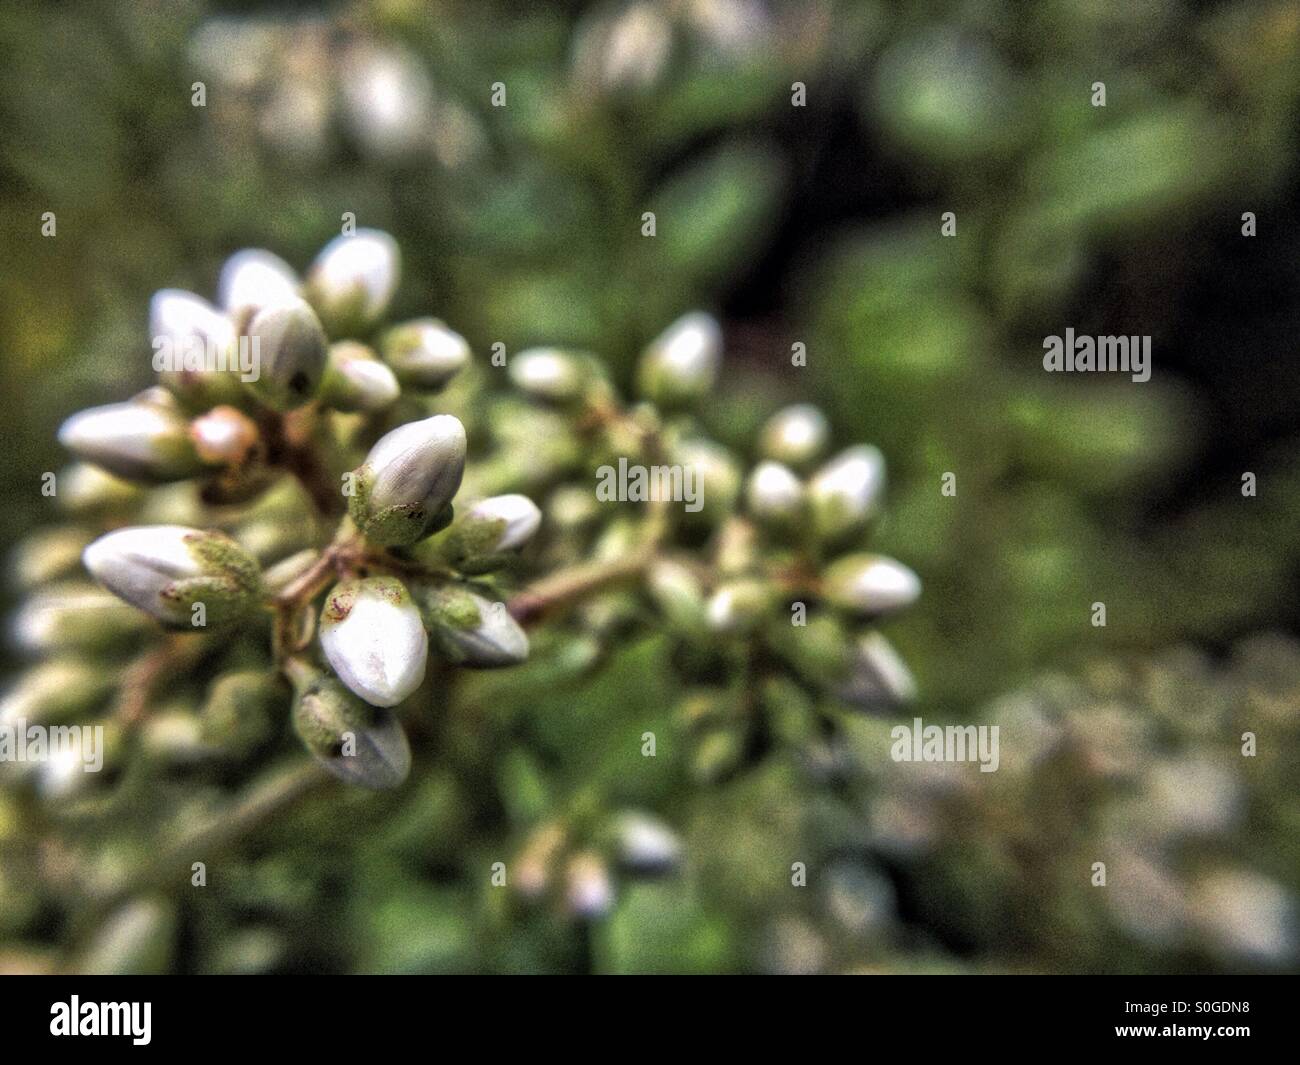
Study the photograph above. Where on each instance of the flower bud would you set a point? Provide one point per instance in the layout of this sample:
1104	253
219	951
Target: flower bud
290	346
646	844
795	435
678	594
194	346
548	374
372	635
588	890
738	606
47	555
877	678
481	538
224	436
774	494
357	381
140	440
56	690
472	630
88	491
360	744
845	493
353	279
717	473
169	570
252	279
242	711
410	476
74	615
681	365
870	584
425	354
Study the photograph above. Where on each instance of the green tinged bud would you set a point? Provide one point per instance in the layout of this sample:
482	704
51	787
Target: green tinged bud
472	630
425	354
243	711
738	606
353	280
372	635
845	493
718	475
677	593
88	491
681	365
795	436
408	480
56	690
549	374
360	744
290	349
775	495
877	678
356	381
74	615
47	555
870	584
137	939
481	539
145	439
168	570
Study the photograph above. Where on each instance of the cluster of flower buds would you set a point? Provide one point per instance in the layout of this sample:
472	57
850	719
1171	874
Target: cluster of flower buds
231	515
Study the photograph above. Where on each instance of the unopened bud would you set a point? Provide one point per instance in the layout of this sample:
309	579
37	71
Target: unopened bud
425	354
357	381
481	538
588	890
353	279
360	744
372	635
224	436
195	353
291	346
87	490
846	492
548	374
242	711
646	844
718	474
48	554
681	365
738	606
870	584
472	630
166	570
774	494
677	593
252	279
140	440
795	435
408	480
56	690
74	615
877	678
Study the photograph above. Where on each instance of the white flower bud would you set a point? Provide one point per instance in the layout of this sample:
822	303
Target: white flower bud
291	349
372	635
74	616
877	678
425	354
774	494
357	381
194	349
166	570
588	890
717	472
737	606
360	744
681	364
677	592
503	523
140	441
795	435
408	479
870	584
252	279
547	373
846	492
473	630
646	844
353	279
